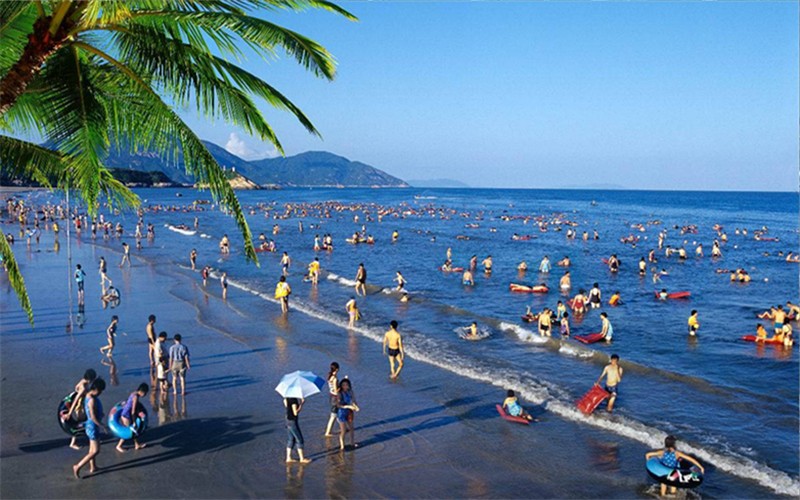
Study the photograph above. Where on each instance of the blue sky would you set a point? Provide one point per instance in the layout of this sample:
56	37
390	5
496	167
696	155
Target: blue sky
650	95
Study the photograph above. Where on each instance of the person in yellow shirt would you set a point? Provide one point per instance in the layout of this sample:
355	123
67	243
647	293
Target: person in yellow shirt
616	299
693	324
313	271
282	292
761	332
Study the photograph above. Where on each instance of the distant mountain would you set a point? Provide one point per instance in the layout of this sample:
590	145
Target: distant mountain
437	183
314	168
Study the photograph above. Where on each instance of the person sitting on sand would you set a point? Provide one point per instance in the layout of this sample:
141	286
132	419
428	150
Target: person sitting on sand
670	457
512	407
111	295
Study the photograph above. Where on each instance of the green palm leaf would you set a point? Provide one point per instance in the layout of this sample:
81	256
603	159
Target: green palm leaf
15	278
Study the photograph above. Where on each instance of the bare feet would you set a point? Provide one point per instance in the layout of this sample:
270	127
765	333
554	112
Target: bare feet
140	446
120	449
75	447
290	460
75	472
305	461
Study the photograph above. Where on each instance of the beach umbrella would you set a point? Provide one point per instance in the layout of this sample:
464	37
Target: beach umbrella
299	384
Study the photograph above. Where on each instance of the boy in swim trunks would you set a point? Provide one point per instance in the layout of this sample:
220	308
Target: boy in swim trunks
394	342
613	374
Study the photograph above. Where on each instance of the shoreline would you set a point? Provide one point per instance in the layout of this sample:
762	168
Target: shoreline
285	338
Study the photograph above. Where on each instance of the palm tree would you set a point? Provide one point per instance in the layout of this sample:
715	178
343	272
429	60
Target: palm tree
89	74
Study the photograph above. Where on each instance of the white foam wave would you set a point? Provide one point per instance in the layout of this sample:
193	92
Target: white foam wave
572	351
339	279
432	352
204	235
523	333
185	232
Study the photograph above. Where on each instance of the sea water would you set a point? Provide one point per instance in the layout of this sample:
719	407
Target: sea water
731	403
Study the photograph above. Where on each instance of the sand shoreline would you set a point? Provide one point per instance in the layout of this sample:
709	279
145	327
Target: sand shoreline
225	439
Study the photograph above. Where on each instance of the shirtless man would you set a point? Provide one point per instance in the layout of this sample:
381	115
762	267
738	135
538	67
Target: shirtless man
777	317
361	280
565	283
151	338
613	374
487	265
544	323
466	278
394	342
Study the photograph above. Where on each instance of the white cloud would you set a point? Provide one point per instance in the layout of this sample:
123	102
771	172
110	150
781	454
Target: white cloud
238	147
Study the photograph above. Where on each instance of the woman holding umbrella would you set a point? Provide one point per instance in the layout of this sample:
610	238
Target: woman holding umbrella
294	388
293	433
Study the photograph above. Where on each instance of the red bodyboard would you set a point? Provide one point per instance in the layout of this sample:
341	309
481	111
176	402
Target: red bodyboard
510	418
590	338
592	399
752	338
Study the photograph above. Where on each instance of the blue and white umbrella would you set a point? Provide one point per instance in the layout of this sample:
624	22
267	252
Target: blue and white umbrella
300	384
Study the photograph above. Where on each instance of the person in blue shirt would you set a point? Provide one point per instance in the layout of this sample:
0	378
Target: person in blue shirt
670	457
513	408
93	427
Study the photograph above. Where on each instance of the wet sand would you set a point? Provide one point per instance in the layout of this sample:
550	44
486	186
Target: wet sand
429	434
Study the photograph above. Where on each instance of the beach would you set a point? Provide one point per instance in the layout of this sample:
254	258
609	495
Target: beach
433	433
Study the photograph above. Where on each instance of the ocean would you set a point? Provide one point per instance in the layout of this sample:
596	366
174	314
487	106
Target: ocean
731	403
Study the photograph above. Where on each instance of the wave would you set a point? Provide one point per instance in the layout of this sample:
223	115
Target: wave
180	230
546	394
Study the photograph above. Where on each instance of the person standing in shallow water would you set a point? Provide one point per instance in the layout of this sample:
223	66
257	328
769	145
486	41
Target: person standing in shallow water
294	436
333	393
393	346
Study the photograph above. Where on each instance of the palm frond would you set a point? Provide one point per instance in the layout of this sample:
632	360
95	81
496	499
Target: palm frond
25	160
15	278
16	23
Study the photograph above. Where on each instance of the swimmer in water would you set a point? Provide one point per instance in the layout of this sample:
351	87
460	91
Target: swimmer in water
401	281
487	265
671	457
467	278
565	283
693	324
565	262
472	330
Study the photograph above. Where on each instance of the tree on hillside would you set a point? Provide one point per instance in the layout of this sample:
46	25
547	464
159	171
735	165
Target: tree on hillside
86	74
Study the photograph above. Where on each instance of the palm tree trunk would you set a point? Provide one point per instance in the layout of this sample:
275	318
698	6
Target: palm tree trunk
41	45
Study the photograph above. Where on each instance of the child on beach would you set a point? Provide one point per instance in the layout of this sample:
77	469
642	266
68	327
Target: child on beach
162	362
94	417
294	435
346	406
76	411
670	456
512	407
352	311
127	413
333	393
282	292
111	332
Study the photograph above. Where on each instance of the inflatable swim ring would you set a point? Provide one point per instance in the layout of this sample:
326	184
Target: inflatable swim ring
686	475
137	427
67	424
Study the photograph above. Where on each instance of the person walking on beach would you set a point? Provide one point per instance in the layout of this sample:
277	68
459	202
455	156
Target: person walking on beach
103	276
151	338
126	255
127	413
393	345
178	364
111	332
282	292
346	408
352	311
162	363
204	273
333	393
193	258
76	410
613	375
293	433
80	277
361	279
93	427
670	457
223	282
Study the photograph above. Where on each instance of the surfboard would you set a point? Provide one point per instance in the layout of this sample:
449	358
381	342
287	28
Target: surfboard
592	399
590	338
687	475
510	418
